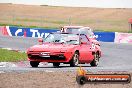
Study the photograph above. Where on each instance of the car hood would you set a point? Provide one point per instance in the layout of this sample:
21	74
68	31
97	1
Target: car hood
52	47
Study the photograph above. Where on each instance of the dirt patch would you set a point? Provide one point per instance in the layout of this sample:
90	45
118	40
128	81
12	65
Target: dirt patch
48	80
48	16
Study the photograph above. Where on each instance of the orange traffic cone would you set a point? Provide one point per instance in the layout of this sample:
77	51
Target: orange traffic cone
81	71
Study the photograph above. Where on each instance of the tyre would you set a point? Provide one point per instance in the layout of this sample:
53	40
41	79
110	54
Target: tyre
56	64
81	80
34	63
95	61
75	60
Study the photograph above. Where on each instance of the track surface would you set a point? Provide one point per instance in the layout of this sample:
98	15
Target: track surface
116	57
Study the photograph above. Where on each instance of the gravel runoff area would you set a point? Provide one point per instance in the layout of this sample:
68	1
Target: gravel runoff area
49	79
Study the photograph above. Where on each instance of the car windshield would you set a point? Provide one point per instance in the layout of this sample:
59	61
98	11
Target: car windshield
72	30
62	38
85	31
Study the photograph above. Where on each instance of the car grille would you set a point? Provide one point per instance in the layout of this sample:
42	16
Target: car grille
52	57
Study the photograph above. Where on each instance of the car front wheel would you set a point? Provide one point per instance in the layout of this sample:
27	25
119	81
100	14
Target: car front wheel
75	60
95	61
34	63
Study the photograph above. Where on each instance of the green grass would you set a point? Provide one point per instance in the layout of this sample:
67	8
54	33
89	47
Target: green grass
112	29
100	29
130	31
7	56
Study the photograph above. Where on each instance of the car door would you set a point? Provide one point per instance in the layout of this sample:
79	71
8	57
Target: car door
85	49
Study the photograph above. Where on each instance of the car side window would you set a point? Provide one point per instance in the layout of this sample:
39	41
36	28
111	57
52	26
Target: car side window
84	39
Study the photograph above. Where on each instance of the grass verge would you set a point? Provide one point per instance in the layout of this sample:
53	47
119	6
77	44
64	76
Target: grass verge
11	56
52	27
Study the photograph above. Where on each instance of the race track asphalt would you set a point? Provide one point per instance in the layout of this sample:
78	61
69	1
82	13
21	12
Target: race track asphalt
116	57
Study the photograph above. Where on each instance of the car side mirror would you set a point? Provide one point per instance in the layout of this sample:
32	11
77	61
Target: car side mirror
83	42
40	40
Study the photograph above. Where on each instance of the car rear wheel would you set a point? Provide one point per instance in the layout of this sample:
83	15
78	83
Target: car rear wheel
95	61
75	60
56	64
34	63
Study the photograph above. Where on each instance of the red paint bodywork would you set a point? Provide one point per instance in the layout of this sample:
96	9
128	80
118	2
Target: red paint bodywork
67	50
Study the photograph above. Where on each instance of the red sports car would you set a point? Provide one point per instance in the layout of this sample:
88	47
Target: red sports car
66	48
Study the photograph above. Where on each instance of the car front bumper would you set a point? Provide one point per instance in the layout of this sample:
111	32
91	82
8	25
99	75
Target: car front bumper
50	57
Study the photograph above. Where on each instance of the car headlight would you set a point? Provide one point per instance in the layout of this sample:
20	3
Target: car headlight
29	55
